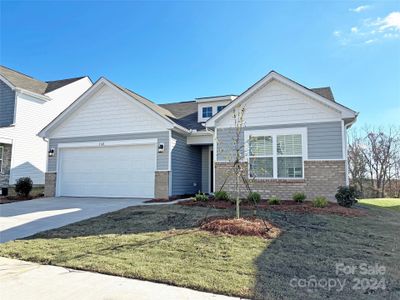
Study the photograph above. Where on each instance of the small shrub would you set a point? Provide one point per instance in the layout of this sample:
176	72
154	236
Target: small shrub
23	186
274	201
201	197
221	195
254	197
320	202
346	195
299	197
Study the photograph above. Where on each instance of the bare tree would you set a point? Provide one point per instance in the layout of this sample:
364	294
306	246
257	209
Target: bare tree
357	162
381	153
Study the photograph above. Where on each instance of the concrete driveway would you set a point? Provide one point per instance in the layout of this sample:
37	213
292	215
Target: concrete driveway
22	219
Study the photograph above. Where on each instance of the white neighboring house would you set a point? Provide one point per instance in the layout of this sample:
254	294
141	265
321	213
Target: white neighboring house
26	106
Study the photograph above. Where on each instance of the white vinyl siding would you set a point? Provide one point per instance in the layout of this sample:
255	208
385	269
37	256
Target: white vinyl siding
276	154
29	152
108	112
214	108
277	103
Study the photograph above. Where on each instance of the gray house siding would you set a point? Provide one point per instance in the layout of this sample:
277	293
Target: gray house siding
7	103
186	166
205	169
324	139
162	158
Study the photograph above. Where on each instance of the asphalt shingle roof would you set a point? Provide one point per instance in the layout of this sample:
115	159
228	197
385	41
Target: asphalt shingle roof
182	113
325	92
31	84
185	113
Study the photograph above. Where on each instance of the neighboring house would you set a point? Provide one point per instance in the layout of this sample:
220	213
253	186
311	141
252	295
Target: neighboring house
112	142
26	106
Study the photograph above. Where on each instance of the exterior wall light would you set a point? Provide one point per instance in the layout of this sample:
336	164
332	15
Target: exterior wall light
51	152
161	148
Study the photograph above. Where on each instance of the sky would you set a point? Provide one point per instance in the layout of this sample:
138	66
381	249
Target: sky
177	51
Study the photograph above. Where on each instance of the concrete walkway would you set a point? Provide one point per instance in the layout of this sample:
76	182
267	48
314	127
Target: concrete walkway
22	219
24	280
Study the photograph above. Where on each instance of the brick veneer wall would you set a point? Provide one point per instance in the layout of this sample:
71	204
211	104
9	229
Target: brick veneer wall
50	184
161	184
321	178
5	172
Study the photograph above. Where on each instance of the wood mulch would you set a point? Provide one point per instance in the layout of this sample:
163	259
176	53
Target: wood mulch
170	199
286	205
243	226
11	199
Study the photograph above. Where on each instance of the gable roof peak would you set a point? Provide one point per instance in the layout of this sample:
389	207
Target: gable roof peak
323	95
25	82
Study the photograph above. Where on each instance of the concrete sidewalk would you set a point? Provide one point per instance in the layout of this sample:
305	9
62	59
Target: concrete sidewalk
25	280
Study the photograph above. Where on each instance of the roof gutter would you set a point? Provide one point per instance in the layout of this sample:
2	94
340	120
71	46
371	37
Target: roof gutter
32	94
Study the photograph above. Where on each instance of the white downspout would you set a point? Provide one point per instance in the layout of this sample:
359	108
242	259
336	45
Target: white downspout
345	140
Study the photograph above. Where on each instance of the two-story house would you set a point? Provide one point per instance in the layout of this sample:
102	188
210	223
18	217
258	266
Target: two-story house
26	106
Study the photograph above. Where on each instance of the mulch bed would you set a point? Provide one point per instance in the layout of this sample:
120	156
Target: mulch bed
286	205
242	226
11	199
170	199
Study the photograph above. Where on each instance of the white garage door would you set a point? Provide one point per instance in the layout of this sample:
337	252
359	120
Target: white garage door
110	171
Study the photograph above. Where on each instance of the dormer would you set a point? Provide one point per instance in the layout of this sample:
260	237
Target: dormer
209	106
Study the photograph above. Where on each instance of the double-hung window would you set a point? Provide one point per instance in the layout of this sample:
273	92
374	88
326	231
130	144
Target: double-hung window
261	157
276	153
1	158
207	112
289	156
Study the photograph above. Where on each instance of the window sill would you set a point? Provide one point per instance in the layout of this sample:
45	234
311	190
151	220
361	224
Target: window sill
280	180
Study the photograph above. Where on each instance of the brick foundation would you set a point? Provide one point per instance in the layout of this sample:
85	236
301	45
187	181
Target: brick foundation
161	184
321	178
50	184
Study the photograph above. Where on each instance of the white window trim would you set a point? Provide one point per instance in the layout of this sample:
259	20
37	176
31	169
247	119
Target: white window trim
274	133
204	108
1	159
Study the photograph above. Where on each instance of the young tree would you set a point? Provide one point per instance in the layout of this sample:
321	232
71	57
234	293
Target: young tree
236	157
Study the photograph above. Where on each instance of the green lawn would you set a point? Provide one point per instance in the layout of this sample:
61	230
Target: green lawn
391	203
163	244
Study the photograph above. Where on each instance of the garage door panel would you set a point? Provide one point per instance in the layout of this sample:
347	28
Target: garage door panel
118	171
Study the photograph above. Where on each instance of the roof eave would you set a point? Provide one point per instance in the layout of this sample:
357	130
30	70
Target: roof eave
345	111
100	82
32	94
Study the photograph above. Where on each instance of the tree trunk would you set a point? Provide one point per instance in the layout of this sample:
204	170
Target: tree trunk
237	208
